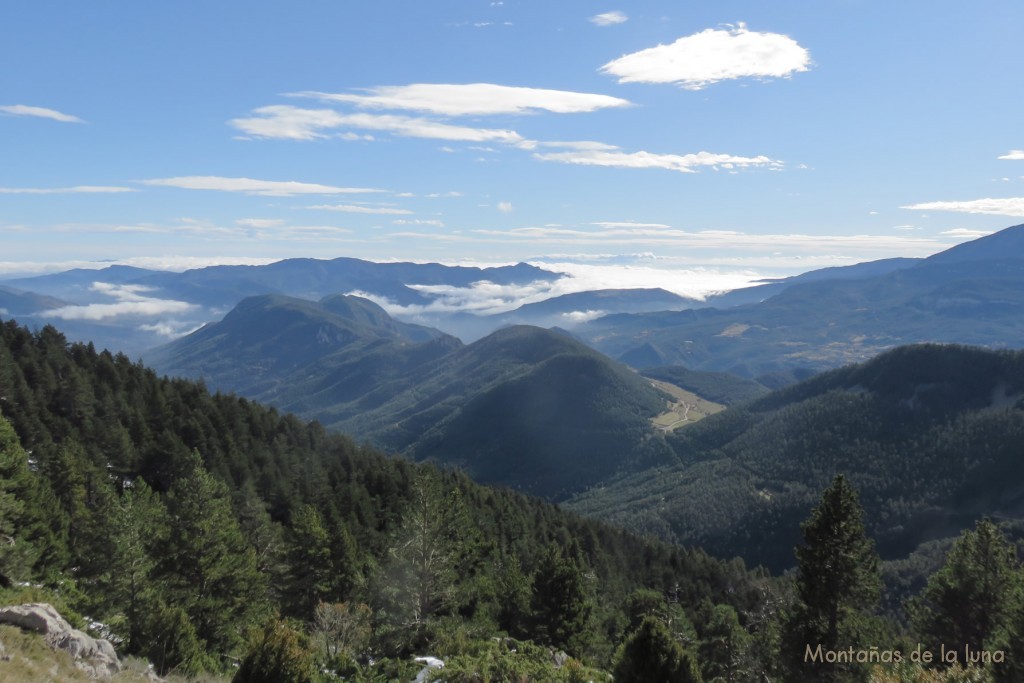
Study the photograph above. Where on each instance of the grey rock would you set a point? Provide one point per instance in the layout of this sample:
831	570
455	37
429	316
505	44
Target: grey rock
95	656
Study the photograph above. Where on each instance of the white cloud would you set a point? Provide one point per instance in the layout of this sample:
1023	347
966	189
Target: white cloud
285	122
266	188
713	55
609	18
171	328
131	300
1014	155
577	317
78	189
966	232
505	207
260	222
353	208
418	221
685	163
627	224
472	99
39	112
1007	206
582	145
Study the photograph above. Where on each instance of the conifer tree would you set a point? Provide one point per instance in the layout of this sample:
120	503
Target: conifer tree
561	604
651	654
970	597
211	569
837	586
309	557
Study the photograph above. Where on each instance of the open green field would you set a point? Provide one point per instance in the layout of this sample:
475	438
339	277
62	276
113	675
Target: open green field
685	407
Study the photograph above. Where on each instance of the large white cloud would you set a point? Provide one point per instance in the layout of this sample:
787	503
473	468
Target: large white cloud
684	163
1006	206
268	188
1014	155
39	112
472	99
285	122
713	55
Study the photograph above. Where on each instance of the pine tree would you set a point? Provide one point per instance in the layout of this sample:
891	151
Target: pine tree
309	557
837	586
137	526
16	556
561	604
970	597
211	569
650	654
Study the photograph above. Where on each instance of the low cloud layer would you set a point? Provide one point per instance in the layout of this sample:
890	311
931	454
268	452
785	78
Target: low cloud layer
131	300
714	55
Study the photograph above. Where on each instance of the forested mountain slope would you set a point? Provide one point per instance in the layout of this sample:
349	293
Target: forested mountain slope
931	436
523	407
183	518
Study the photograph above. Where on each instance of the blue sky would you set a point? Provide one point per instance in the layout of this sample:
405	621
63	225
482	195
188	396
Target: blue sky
712	137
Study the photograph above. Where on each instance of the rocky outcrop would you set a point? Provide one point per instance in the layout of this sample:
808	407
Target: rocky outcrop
95	656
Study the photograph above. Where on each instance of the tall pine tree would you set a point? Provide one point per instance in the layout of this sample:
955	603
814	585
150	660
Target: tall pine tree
838	585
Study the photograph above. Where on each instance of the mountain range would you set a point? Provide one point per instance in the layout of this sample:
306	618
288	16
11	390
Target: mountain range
970	294
525	407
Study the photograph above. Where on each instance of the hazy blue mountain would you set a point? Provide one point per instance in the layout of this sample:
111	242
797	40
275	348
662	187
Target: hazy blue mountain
75	285
930	435
971	294
270	346
760	292
523	407
14	302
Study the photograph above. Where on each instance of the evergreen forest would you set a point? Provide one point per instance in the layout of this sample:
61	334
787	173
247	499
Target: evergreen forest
222	540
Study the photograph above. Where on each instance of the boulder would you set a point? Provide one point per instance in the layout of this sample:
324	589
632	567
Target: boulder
95	656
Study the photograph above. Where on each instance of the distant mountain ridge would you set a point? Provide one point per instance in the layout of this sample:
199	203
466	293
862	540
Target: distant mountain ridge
970	294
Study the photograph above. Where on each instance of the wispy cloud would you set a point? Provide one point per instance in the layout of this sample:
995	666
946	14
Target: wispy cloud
683	163
260	222
78	189
609	18
471	99
966	232
696	61
505	207
1007	206
419	221
285	122
266	188
1014	155
355	208
39	112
